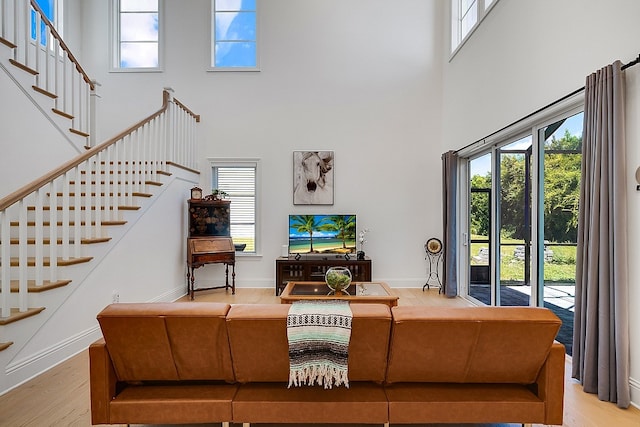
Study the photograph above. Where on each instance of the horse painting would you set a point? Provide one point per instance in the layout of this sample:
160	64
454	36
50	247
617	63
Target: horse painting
313	177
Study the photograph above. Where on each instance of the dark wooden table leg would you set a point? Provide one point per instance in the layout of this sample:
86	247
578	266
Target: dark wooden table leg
233	279
192	285
226	272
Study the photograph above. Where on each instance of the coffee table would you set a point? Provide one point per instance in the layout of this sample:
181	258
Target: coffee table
357	292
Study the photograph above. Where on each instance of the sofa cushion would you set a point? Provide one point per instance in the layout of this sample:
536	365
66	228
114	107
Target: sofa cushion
179	403
362	402
167	341
470	344
260	350
415	403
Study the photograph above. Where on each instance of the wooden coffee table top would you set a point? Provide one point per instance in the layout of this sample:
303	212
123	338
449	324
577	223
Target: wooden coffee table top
357	292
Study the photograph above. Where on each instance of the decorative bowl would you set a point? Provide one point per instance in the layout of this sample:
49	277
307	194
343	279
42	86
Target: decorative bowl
338	278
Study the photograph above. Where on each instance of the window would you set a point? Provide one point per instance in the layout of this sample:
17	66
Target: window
234	37
519	242
466	15
239	180
136	34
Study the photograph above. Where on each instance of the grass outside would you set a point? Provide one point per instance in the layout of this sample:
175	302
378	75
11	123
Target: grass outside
560	268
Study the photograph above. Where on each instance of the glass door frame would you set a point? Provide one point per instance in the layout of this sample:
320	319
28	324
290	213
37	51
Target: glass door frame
533	126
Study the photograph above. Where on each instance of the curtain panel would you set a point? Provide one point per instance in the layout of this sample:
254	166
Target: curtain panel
601	327
449	221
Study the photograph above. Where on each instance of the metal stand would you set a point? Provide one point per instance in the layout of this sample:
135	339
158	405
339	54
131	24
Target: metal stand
434	271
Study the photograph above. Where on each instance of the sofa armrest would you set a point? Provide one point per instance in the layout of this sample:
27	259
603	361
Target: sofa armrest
550	384
102	380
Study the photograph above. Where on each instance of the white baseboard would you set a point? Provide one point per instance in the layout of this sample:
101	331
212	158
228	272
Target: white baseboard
30	367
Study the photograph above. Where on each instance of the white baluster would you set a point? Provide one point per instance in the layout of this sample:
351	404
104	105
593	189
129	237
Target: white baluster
39	238
5	264
53	232
22	256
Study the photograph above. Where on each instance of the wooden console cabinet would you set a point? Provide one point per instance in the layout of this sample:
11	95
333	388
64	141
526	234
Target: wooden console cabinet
210	242
313	269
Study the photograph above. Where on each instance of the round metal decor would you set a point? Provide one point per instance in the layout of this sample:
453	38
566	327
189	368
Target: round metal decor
433	246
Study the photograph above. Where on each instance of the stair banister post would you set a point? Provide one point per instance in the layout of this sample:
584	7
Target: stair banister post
94	100
169	128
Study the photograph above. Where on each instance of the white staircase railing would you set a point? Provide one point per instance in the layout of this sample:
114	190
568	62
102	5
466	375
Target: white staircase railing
74	201
39	50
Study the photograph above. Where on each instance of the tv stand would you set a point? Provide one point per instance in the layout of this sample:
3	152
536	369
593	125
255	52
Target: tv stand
312	269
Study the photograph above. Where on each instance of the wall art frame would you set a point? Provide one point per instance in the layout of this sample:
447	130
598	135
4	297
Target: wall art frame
313	177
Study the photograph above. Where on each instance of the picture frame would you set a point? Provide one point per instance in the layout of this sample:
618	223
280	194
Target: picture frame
313	177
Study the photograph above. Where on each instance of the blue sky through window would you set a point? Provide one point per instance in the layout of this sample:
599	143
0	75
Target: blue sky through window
139	34
235	33
482	165
47	7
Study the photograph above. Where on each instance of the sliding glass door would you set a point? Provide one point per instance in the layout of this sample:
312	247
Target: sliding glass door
480	229
522	209
561	148
514	232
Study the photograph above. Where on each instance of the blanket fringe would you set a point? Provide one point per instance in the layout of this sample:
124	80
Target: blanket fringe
326	376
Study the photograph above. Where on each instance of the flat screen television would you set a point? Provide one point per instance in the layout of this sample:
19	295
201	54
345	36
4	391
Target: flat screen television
322	234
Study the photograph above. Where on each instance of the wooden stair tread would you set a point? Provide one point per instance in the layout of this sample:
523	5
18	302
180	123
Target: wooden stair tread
7	43
114	183
46	261
71	223
5	345
62	113
16	315
47	241
23	67
79	132
129	162
118	172
32	288
134	194
84	208
44	92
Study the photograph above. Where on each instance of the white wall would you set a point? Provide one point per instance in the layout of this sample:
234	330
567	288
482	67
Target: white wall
526	55
362	78
28	150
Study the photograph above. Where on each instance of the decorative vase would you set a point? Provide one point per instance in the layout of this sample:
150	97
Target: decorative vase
338	278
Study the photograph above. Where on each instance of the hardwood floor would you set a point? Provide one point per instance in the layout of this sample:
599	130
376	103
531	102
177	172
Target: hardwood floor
60	396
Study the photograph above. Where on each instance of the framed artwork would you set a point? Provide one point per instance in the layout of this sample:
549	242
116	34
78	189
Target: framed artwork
313	177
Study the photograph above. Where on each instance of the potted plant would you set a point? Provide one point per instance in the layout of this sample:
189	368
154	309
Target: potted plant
217	194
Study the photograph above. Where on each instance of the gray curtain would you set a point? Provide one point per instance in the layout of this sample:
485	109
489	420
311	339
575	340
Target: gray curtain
601	327
449	196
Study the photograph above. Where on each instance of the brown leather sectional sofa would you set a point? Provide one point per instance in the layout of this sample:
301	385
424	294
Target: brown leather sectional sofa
191	362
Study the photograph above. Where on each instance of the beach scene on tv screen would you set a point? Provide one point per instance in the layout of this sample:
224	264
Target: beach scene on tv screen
322	234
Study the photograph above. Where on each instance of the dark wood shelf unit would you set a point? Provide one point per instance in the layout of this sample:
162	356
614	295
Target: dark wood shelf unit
210	242
312	269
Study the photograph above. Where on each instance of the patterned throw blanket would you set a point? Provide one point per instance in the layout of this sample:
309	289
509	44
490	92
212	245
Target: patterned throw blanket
319	334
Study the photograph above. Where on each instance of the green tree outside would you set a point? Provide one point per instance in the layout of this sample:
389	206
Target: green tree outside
561	198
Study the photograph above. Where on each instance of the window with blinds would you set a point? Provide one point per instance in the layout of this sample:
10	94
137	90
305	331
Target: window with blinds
238	180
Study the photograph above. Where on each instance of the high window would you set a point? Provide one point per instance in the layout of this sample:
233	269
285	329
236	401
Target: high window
136	29
238	179
466	15
234	43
